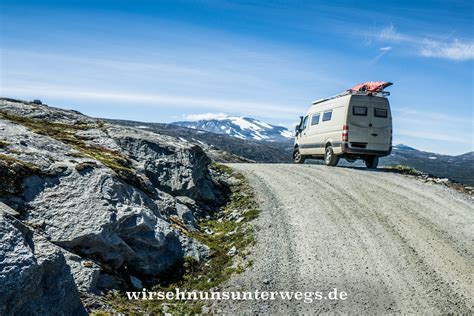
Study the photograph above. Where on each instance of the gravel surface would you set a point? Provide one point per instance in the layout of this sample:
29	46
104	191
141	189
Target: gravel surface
393	243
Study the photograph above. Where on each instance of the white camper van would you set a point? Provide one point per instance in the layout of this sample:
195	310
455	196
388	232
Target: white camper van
352	125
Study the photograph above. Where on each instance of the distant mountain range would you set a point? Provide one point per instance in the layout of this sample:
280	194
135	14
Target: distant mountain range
241	127
221	147
237	139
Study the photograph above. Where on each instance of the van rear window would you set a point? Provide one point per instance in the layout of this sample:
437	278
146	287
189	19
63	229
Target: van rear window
380	112
315	119
327	116
359	110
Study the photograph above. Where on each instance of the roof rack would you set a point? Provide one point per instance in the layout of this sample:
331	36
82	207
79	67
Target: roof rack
361	89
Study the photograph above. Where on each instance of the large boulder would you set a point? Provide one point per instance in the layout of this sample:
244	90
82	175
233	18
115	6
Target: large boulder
97	215
34	276
174	167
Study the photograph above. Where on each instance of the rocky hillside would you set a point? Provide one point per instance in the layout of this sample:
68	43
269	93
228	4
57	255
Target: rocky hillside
241	127
88	206
221	147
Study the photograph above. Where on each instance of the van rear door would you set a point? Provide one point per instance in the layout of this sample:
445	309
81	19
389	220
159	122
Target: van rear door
359	122
381	124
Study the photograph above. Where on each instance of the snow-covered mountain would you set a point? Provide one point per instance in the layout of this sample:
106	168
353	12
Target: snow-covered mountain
241	127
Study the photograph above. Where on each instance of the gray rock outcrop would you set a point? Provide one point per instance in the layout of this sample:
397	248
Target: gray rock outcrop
34	276
111	201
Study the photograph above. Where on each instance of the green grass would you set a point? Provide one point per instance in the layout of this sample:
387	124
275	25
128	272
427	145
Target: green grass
203	276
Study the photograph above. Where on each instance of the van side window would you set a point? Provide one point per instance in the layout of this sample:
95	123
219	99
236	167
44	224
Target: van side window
305	123
315	119
380	112
327	116
359	110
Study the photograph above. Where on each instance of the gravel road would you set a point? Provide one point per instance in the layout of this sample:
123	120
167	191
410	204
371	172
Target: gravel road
392	242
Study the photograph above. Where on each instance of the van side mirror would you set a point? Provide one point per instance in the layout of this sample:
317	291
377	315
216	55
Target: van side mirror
298	126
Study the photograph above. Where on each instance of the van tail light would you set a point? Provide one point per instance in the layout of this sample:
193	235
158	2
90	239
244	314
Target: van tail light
391	136
345	133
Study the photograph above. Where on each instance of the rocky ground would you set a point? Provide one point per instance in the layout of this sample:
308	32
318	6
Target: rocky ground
88	206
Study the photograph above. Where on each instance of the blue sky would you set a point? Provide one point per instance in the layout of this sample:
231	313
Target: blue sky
163	61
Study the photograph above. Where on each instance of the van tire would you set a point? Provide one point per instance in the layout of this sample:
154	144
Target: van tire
330	159
371	162
298	157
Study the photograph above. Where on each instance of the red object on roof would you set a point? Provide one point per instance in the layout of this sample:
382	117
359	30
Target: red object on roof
371	86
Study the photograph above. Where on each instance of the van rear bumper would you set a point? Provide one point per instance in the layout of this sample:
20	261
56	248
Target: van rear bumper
360	151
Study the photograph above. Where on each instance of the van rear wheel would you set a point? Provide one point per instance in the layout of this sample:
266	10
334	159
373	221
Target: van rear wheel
330	159
371	162
298	157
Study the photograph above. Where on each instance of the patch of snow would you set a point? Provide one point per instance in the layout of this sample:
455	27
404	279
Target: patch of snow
265	125
205	116
286	133
238	135
142	126
244	124
432	158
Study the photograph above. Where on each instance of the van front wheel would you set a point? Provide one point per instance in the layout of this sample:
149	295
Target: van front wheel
330	159
371	162
298	157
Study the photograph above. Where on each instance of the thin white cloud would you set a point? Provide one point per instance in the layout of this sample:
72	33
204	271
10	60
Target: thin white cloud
454	49
382	51
205	116
158	100
391	34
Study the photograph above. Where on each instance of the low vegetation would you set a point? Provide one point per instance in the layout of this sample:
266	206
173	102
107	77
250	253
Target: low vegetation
406	170
402	169
228	236
67	134
4	144
13	172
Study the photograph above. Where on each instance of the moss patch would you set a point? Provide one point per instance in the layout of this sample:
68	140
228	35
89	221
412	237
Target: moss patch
228	228
13	173
402	169
67	134
4	144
